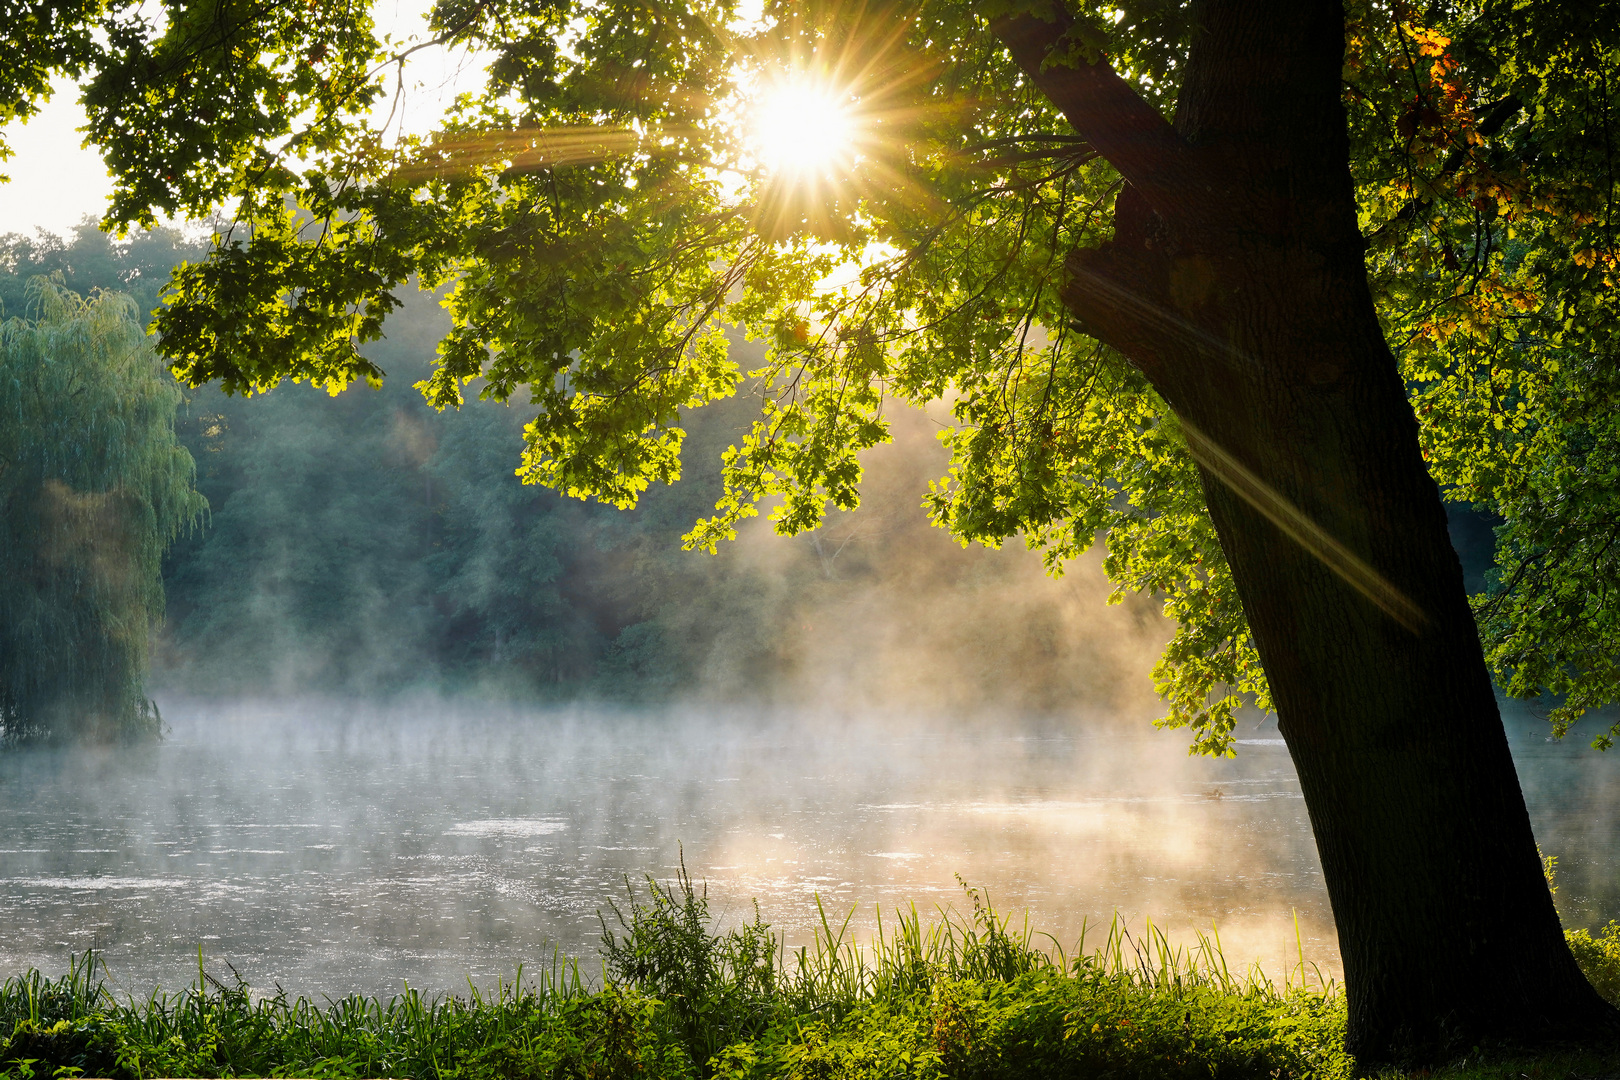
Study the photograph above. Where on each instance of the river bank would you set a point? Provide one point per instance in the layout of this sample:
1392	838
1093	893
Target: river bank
974	996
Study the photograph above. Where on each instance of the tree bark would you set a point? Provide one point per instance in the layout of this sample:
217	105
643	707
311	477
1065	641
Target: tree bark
1235	282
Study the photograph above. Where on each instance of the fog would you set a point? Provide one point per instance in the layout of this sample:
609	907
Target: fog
878	609
365	544
329	846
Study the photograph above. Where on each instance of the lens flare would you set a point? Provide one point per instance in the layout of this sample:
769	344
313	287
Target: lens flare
803	128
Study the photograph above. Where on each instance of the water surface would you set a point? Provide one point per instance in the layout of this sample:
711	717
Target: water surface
329	848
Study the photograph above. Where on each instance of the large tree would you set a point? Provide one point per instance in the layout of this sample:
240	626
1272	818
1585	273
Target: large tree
1181	270
93	487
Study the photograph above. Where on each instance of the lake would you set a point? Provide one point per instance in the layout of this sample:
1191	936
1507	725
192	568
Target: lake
330	847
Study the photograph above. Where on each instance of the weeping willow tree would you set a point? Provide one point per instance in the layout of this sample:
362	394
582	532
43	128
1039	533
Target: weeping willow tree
93	487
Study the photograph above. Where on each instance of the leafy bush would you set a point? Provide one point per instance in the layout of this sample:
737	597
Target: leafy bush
1046	1025
77	1047
1599	958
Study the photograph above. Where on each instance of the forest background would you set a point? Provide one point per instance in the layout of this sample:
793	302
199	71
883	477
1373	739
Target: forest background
365	544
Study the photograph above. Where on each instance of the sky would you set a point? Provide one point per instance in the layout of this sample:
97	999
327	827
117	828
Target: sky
56	182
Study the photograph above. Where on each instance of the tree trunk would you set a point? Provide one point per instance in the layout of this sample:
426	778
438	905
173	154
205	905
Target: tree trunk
1236	283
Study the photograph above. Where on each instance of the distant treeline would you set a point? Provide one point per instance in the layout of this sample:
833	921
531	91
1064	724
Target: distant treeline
365	542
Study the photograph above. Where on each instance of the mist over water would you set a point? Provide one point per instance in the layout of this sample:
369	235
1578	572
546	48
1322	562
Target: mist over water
329	847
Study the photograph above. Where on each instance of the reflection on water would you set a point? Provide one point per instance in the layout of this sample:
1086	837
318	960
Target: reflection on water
333	850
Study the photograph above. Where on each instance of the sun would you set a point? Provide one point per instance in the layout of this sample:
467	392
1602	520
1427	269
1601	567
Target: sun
803	128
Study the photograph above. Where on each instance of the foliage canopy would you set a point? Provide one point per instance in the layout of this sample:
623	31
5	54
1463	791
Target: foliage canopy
600	217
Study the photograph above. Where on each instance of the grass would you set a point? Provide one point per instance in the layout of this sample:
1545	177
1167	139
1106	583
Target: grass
965	997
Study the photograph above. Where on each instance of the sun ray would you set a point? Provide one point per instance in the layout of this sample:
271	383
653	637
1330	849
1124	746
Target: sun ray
525	150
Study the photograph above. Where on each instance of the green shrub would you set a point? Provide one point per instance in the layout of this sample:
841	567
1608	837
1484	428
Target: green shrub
1599	958
66	1048
1051	1024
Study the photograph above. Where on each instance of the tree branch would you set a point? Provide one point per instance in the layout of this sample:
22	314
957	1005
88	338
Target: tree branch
1104	109
1495	118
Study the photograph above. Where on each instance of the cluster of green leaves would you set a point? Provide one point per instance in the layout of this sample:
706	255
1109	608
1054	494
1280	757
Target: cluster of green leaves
366	544
194	104
1599	958
93	488
963	997
1488	178
42	38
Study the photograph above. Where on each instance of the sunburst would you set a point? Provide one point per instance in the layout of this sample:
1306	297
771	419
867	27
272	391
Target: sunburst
802	128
